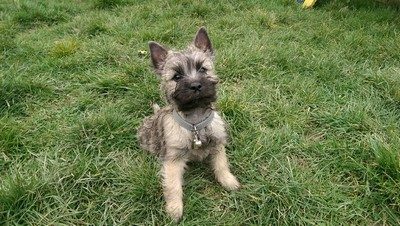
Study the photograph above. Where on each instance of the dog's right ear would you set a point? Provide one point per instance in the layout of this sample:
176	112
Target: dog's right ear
158	56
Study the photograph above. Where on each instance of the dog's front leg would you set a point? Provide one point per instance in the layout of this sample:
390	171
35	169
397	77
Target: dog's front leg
172	171
220	164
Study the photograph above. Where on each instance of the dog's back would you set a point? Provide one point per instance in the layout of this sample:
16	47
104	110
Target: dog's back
151	132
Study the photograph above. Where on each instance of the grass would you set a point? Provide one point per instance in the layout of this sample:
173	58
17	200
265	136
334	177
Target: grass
311	98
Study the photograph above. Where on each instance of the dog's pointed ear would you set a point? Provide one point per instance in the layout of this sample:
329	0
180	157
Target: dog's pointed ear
202	41
158	56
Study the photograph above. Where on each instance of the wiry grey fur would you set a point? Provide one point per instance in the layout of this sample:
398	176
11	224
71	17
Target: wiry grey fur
189	83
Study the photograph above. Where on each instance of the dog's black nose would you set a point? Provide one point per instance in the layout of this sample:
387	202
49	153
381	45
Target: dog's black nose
195	86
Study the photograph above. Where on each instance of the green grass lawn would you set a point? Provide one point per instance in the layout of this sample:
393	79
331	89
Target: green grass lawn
312	99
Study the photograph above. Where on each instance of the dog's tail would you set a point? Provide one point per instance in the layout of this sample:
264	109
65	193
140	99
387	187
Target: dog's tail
155	107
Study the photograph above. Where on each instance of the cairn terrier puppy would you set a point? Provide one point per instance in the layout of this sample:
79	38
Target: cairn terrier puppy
189	128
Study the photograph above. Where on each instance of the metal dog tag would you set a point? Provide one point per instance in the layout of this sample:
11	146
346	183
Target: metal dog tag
196	141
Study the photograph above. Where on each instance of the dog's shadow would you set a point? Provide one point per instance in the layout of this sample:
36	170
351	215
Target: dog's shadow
199	176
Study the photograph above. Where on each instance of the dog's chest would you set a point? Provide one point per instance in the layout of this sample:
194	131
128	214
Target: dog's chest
206	139
183	141
196	152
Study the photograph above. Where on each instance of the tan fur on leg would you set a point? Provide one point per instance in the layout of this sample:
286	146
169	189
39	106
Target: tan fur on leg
172	182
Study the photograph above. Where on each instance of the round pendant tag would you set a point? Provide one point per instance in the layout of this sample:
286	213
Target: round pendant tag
197	143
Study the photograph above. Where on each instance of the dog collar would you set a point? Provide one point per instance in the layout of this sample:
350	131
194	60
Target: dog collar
194	128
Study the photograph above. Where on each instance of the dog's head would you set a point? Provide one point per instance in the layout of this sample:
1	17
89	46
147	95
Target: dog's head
188	78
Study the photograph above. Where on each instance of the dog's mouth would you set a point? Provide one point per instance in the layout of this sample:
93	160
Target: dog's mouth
187	100
191	94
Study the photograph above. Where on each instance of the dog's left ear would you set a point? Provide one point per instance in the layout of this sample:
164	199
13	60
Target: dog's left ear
202	41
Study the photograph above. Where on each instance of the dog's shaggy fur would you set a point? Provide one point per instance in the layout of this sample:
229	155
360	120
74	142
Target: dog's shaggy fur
189	84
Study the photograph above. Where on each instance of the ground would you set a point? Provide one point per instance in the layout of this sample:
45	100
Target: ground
311	98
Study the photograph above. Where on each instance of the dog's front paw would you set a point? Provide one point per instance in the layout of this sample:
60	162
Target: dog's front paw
175	210
229	182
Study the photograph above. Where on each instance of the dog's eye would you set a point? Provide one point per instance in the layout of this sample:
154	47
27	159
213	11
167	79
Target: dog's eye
202	70
177	77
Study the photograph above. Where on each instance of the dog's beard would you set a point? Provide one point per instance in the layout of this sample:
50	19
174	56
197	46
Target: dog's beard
187	99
